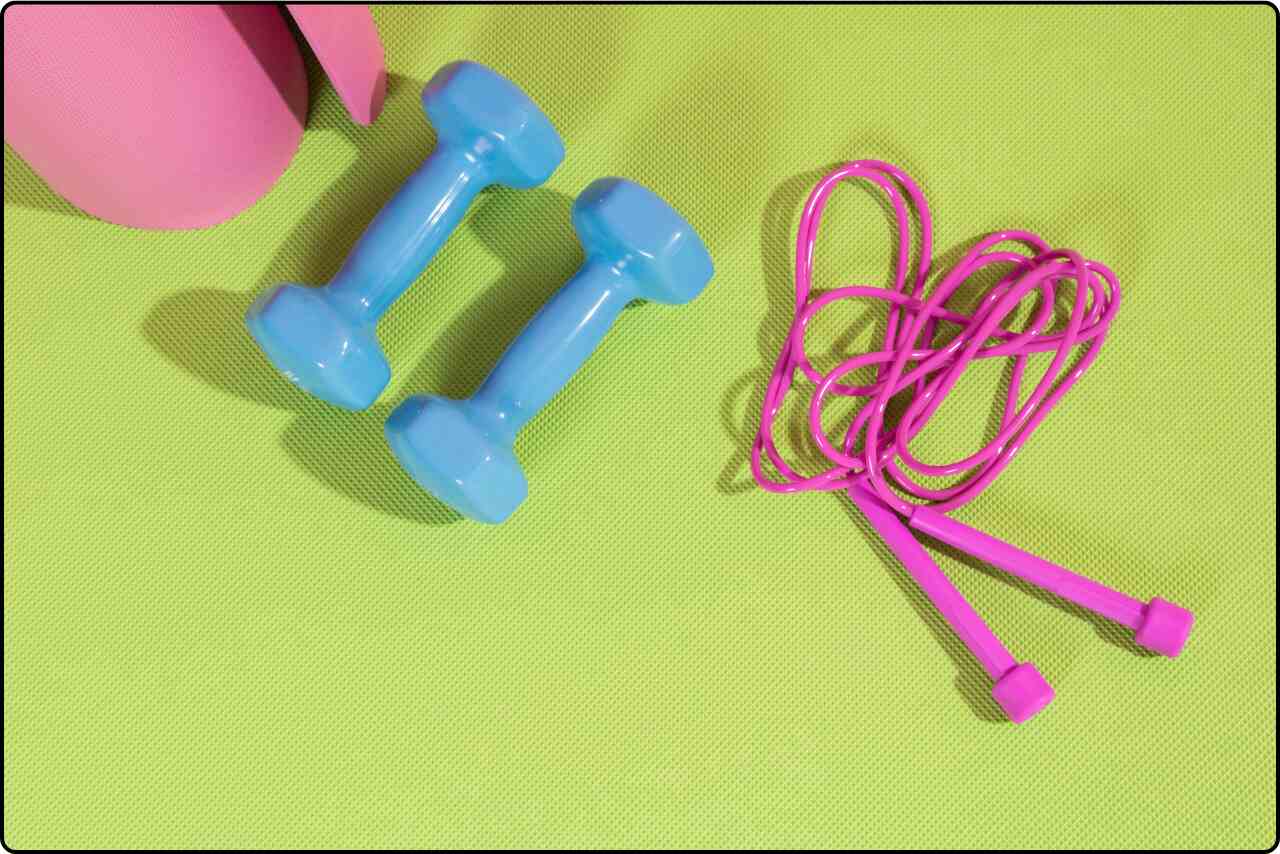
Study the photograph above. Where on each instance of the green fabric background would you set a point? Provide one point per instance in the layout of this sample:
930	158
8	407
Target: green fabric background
230	619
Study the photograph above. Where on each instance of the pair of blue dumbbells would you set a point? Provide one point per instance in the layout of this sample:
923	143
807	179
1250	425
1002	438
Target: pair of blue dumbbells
489	132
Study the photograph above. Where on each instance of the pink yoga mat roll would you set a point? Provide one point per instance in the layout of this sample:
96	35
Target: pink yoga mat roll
346	42
170	117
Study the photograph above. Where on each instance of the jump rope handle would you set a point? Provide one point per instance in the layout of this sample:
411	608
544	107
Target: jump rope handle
1157	625
1019	688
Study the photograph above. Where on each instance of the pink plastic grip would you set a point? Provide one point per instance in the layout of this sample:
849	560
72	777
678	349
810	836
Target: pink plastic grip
1158	625
1019	688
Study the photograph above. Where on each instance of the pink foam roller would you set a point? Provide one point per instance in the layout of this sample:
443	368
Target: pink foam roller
346	42
154	116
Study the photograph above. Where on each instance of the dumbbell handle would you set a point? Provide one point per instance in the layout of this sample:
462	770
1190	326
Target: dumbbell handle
950	602
552	346
1063	582
406	234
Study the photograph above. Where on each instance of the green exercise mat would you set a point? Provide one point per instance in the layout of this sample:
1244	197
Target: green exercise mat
230	619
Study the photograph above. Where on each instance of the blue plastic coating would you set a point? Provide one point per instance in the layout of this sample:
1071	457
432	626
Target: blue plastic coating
324	339
636	246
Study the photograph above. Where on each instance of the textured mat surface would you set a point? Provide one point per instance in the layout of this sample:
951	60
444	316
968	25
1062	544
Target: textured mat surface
229	618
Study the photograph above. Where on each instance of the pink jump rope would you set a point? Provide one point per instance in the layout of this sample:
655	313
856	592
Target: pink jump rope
875	453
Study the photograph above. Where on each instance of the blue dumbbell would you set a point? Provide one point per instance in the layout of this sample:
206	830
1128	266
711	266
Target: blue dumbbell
636	245
489	132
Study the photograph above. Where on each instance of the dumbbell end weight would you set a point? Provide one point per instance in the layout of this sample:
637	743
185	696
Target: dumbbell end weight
317	348
442	447
478	109
632	229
